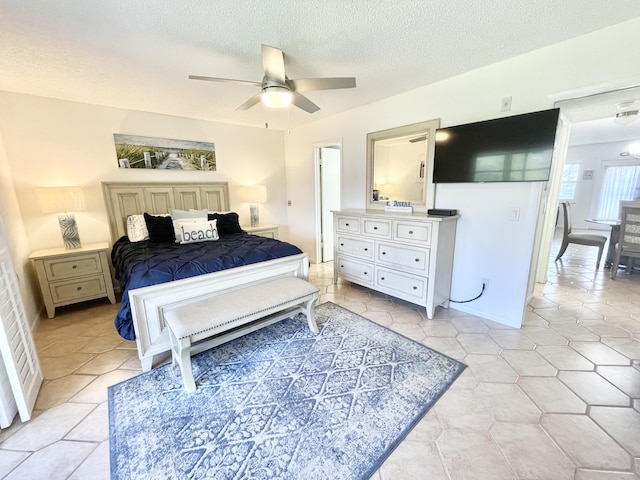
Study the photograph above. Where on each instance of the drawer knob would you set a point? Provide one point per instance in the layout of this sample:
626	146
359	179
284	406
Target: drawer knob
415	288
384	253
365	273
342	244
74	266
79	288
410	232
417	259
346	224
341	266
375	228
381	278
366	249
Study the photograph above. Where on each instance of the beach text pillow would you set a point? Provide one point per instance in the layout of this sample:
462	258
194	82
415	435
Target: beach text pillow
192	232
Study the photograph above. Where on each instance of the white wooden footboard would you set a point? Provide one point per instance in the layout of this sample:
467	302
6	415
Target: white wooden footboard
148	304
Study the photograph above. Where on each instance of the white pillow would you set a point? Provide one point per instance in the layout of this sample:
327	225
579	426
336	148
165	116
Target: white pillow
192	232
137	228
187	216
182	214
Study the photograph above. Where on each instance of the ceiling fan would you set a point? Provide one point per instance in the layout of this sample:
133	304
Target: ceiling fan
277	90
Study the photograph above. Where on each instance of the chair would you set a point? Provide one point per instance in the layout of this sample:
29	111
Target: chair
629	241
580	239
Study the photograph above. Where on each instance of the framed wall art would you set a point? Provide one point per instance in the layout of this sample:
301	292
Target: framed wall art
164	154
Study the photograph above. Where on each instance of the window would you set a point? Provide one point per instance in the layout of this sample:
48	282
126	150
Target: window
620	182
569	181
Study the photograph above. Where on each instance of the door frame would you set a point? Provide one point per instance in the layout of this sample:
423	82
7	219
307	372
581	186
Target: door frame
318	188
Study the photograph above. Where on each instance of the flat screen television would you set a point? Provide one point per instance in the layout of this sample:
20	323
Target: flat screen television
518	148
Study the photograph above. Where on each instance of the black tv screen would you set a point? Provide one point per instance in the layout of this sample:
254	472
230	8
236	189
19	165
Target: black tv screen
509	149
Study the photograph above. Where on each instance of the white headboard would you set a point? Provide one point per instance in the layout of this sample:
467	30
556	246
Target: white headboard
130	198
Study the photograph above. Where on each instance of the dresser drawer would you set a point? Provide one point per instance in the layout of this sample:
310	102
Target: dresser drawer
377	228
73	290
412	232
348	224
359	272
415	260
401	285
360	247
79	265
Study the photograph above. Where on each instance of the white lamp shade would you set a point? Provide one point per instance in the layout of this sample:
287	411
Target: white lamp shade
253	194
60	199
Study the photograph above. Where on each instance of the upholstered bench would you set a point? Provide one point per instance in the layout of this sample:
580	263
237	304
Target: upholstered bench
217	319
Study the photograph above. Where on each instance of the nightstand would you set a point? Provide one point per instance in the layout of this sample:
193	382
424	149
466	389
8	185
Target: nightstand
265	230
73	276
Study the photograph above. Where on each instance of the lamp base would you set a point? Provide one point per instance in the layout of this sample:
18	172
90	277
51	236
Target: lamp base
69	230
255	216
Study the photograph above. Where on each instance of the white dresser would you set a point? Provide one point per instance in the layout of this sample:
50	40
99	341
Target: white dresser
405	255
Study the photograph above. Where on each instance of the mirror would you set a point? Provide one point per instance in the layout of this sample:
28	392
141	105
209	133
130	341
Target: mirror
400	165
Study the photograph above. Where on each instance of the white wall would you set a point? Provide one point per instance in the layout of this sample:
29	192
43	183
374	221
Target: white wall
51	142
487	244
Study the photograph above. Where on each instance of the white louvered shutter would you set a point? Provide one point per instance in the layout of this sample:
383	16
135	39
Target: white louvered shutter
21	366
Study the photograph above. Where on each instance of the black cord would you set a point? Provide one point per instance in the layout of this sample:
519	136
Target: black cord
466	301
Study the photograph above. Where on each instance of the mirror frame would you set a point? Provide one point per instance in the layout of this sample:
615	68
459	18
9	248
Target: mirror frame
429	128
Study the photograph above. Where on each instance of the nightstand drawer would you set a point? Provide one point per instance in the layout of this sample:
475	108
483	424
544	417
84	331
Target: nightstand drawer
77	266
74	290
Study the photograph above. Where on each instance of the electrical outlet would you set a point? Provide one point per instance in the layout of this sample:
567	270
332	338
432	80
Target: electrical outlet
485	282
505	105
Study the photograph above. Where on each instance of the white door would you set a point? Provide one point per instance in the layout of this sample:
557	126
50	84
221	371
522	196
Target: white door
329	166
19	356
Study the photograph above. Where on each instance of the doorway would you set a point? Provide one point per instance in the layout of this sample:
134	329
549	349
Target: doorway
598	132
328	168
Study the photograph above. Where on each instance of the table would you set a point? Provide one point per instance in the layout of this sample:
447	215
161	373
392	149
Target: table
72	276
614	223
263	230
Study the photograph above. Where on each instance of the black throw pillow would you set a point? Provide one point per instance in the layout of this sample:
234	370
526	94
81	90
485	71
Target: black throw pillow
160	228
227	222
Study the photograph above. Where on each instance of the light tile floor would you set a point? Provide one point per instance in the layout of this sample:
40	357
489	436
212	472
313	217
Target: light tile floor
557	399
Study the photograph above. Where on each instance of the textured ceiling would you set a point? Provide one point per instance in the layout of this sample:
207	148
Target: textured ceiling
137	54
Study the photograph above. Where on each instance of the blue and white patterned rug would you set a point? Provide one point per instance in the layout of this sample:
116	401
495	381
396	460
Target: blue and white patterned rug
280	403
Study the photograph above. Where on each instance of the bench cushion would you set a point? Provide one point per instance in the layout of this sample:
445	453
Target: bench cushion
215	312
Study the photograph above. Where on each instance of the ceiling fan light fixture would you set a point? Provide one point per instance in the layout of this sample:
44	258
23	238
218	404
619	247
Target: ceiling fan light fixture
626	117
276	97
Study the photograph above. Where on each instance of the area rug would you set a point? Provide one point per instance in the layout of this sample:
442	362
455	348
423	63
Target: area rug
280	403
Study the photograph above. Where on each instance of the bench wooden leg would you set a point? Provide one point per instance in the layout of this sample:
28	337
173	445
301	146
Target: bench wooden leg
184	359
181	354
147	363
308	311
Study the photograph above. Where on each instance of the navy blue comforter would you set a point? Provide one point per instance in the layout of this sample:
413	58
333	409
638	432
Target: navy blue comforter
140	264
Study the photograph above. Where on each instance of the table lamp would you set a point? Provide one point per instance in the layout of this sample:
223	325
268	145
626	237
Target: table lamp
254	195
64	201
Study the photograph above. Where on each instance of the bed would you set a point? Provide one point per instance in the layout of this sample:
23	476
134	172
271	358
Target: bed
156	277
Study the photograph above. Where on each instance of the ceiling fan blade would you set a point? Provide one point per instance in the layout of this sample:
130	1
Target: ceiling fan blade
251	102
225	80
304	103
306	84
273	63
